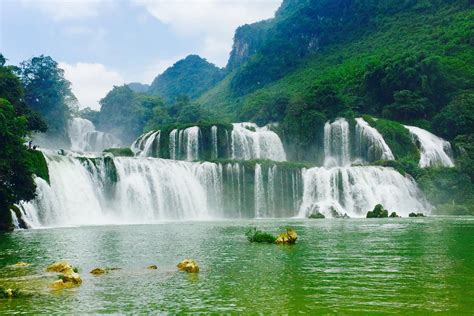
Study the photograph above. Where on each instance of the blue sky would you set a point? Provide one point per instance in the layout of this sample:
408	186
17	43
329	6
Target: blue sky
101	43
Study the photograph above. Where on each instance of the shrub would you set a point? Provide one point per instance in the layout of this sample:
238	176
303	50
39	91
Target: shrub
255	235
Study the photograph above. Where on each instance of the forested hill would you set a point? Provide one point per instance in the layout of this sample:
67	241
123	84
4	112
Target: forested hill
190	76
372	55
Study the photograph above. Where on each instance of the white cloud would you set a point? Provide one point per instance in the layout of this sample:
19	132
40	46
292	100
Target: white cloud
90	82
66	9
214	20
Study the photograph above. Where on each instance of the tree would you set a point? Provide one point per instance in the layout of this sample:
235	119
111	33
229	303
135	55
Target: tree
457	118
48	93
11	89
16	178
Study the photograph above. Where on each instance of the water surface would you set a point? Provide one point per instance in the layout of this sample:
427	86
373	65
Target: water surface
337	266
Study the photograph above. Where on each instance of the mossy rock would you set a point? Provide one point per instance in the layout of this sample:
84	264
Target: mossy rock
37	164
378	212
9	293
98	271
188	265
316	215
152	267
394	215
416	215
289	237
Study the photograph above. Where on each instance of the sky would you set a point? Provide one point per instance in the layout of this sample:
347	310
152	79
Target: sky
102	43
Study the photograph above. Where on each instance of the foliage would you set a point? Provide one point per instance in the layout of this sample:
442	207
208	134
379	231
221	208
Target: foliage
316	215
255	235
16	181
37	164
188	77
120	152
49	93
398	138
377	212
454	209
457	118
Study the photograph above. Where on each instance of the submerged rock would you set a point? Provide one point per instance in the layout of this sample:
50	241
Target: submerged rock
60	267
98	271
289	237
152	267
316	215
378	212
69	278
416	215
21	264
9	293
188	265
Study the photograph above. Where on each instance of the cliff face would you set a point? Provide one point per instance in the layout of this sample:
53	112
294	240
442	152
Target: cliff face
248	39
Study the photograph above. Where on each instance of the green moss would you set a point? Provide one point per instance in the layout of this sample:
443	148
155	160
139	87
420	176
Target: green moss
255	235
398	138
37	164
378	212
120	152
316	215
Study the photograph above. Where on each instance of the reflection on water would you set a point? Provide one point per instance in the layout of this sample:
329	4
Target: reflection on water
403	265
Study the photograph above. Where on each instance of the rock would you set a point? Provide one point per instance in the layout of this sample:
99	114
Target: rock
188	265
60	285
98	271
316	215
152	267
345	216
416	215
21	264
394	215
378	212
60	267
73	277
289	237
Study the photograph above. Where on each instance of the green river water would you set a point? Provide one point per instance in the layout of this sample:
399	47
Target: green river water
422	265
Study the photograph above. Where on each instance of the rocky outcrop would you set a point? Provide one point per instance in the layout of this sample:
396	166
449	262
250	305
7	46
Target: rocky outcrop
69	277
378	212
98	271
188	265
289	237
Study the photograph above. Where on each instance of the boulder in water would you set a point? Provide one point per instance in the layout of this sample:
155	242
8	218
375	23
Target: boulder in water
378	212
98	271
316	215
152	267
416	215
21	264
188	265
60	267
289	237
9	293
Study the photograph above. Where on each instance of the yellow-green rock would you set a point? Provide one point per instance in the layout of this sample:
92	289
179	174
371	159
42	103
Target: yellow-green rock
152	267
98	271
21	264
60	267
188	265
289	237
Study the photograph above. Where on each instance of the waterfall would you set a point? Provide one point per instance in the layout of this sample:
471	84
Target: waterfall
370	145
260	196
248	141
434	150
147	145
336	143
215	154
184	144
356	190
84	136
